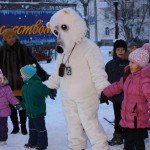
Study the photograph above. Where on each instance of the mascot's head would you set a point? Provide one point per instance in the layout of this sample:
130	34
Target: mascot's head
68	27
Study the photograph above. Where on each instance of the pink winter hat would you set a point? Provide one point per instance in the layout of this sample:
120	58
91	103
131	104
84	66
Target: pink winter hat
140	56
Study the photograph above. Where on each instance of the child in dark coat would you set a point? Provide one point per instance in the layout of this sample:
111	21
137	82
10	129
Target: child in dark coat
34	93
115	69
6	97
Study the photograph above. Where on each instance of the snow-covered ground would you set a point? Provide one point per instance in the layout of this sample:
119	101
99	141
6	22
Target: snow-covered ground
56	124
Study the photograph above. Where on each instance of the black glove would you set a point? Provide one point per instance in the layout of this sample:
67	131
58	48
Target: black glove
103	99
52	93
18	107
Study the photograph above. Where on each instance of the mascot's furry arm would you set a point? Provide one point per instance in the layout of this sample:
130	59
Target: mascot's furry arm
54	79
97	67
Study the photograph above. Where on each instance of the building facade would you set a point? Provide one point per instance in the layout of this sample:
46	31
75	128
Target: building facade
133	20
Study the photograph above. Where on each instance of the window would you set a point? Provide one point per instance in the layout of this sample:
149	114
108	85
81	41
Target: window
142	29
137	30
106	14
138	13
106	31
145	1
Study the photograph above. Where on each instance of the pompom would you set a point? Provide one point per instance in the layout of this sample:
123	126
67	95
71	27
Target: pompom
28	71
147	47
34	65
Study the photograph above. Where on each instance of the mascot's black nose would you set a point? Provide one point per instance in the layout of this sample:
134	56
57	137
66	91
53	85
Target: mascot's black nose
59	49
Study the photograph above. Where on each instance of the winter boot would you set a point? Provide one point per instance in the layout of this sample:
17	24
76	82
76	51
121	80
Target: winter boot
116	140
2	143
29	146
15	129
130	149
128	146
14	119
23	119
23	129
40	148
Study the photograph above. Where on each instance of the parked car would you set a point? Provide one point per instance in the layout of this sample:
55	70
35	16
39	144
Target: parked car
42	52
42	56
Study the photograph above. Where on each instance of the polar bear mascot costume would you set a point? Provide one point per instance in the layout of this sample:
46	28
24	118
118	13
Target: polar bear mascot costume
81	76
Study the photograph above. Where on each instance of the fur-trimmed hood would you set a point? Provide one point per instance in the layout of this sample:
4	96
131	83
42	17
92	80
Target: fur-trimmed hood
5	81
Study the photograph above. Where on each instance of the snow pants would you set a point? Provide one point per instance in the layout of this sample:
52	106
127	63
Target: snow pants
14	116
38	132
117	113
81	116
134	138
3	129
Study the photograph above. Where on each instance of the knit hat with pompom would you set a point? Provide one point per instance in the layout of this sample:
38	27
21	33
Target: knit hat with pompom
28	71
140	56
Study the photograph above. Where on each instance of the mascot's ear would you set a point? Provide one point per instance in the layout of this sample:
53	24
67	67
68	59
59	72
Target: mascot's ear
66	11
48	24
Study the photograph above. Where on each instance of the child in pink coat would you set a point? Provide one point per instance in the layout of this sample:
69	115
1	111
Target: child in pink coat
134	110
6	97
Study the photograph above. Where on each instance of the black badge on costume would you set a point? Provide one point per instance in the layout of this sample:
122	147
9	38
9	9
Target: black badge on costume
68	71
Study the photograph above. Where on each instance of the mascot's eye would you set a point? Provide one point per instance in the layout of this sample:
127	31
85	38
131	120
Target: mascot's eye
64	27
56	32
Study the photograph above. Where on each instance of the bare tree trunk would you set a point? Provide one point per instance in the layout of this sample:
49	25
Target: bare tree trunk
85	4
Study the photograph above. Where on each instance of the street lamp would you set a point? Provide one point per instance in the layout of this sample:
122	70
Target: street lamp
95	14
116	19
85	4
